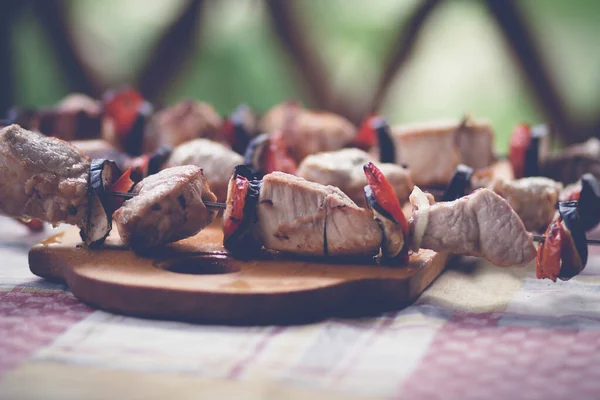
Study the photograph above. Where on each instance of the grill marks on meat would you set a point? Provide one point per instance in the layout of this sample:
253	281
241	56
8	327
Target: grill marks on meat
349	229
482	225
292	214
434	150
307	218
169	206
344	169
216	160
42	177
533	199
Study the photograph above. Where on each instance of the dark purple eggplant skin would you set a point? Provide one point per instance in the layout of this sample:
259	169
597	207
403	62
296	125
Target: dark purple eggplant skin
134	141
532	153
459	183
21	116
242	136
253	153
589	202
387	147
372	202
569	212
242	243
97	167
158	159
96	187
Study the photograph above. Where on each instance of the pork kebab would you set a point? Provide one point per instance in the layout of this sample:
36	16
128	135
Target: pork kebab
530	156
422	154
306	131
432	151
534	199
49	179
285	213
339	168
215	156
127	122
216	159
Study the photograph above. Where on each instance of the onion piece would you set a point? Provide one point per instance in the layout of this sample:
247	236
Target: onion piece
420	216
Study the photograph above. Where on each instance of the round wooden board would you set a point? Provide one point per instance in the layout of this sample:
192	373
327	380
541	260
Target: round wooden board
196	280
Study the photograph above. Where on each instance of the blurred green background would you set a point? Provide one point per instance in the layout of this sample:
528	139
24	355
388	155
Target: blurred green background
461	63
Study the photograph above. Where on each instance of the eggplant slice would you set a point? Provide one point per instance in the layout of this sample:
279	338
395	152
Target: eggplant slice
532	154
392	241
243	121
243	242
135	139
254	153
574	250
589	201
158	159
459	183
99	219
387	148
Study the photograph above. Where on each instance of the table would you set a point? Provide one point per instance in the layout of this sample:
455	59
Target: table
479	332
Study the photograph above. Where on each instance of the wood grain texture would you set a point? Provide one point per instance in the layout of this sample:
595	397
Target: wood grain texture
216	288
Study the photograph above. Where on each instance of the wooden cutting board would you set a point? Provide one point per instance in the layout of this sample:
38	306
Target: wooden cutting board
196	280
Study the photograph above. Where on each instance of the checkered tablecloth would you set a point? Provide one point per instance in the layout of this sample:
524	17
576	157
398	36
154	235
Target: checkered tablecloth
479	332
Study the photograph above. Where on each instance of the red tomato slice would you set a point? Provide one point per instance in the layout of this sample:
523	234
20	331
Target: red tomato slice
236	201
123	108
548	254
519	142
366	137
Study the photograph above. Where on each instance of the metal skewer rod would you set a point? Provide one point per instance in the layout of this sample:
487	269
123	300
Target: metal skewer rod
209	204
541	238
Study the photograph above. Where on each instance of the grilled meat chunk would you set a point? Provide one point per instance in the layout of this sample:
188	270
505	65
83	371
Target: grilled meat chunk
169	206
349	229
344	169
308	132
42	177
481	224
216	160
100	148
302	217
570	164
77	116
184	121
432	151
534	199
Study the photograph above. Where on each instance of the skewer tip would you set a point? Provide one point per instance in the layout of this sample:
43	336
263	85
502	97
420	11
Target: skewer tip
590	242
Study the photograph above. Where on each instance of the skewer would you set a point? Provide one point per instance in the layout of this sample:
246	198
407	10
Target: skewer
541	238
210	204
